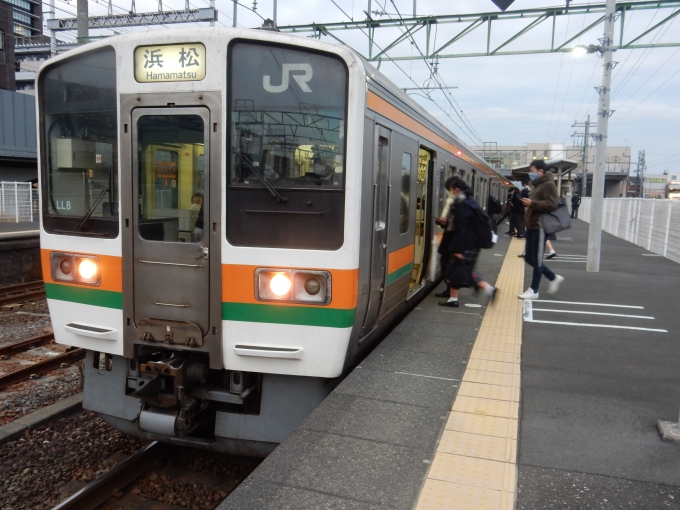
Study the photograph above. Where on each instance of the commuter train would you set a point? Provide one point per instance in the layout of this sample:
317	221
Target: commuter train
230	217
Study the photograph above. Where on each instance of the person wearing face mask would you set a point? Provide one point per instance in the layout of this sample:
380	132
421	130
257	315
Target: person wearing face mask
462	247
543	199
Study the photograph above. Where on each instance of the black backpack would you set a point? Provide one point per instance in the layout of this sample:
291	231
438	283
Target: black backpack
481	228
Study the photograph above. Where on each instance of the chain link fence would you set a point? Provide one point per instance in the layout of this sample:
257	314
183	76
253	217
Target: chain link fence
651	224
18	202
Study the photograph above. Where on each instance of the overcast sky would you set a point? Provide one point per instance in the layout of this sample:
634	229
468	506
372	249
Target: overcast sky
505	99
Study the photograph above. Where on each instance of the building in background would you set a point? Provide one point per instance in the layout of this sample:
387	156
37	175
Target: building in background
18	143
27	21
7	63
506	157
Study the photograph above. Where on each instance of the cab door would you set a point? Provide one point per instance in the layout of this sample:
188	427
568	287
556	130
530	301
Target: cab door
170	183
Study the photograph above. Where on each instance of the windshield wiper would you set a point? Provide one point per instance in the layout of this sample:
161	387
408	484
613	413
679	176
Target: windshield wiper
89	213
270	188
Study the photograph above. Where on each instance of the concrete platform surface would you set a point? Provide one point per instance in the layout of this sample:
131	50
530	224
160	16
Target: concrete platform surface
548	404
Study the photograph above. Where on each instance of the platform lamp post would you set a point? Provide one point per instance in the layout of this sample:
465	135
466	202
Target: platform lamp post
603	114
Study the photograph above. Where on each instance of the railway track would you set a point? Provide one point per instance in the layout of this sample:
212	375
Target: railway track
156	457
22	293
39	368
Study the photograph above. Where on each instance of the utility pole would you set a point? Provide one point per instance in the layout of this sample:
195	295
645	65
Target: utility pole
603	113
584	156
640	188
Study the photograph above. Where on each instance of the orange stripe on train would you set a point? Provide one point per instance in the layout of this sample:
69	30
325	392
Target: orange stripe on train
381	106
400	258
238	286
111	270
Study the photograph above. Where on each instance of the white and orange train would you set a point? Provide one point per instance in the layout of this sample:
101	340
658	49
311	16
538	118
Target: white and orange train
229	218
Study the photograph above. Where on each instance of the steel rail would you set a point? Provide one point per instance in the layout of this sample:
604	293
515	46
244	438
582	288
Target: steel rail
22	292
98	491
41	367
8	350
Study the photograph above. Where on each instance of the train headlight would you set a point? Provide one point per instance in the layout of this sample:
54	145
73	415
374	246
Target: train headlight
87	269
72	268
293	285
280	284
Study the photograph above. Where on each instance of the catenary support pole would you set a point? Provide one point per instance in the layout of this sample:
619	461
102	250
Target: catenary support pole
235	6
275	12
586	142
83	31
597	200
53	34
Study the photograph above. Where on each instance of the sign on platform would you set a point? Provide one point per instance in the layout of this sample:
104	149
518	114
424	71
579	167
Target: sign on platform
170	62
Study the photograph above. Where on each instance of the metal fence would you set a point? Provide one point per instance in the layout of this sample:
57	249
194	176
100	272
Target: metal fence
18	202
649	223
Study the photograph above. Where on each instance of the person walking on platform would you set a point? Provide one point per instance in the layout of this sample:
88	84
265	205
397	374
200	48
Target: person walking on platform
508	213
464	249
543	199
446	222
575	202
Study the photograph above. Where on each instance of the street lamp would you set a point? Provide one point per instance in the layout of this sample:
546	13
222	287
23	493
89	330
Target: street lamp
580	50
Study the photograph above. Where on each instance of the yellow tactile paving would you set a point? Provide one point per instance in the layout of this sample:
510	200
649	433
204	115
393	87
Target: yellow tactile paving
486	406
480	424
492	366
502	449
495	378
488	474
506	357
475	463
452	496
491	391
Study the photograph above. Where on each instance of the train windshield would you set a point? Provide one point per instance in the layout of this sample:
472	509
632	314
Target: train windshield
79	145
287	110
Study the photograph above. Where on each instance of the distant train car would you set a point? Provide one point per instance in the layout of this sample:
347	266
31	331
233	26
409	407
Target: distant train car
229	218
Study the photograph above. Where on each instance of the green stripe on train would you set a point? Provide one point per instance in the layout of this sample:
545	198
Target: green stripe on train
298	315
403	271
85	295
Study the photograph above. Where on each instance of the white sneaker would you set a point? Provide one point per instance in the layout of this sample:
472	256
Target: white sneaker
554	285
529	294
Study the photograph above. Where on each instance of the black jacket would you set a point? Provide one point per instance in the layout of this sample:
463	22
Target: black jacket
463	240
575	200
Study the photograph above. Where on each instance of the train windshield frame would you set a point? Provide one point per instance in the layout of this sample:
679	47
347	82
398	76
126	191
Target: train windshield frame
79	149
286	145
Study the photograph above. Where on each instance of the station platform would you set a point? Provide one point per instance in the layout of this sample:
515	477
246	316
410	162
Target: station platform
544	404
19	230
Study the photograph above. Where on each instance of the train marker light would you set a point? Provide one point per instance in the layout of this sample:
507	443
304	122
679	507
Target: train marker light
312	286
280	284
66	266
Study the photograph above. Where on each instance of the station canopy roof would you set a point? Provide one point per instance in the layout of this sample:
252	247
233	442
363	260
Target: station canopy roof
556	166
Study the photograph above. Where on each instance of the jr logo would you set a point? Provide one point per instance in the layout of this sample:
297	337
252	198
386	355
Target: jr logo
286	70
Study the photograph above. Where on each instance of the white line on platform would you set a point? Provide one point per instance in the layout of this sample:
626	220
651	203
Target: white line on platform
428	376
589	304
598	326
463	313
592	313
564	255
562	260
20	232
498	255
651	255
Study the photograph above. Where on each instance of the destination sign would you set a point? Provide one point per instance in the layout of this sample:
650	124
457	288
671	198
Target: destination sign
170	62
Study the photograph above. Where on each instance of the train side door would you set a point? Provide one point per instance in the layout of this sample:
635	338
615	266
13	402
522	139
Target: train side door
170	161
381	187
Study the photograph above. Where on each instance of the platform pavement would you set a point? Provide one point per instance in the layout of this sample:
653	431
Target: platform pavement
590	399
18	230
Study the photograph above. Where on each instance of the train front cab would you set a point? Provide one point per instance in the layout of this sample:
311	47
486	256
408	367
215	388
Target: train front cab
217	218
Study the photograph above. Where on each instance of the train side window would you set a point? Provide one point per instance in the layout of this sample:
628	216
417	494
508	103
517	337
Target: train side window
406	160
452	171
